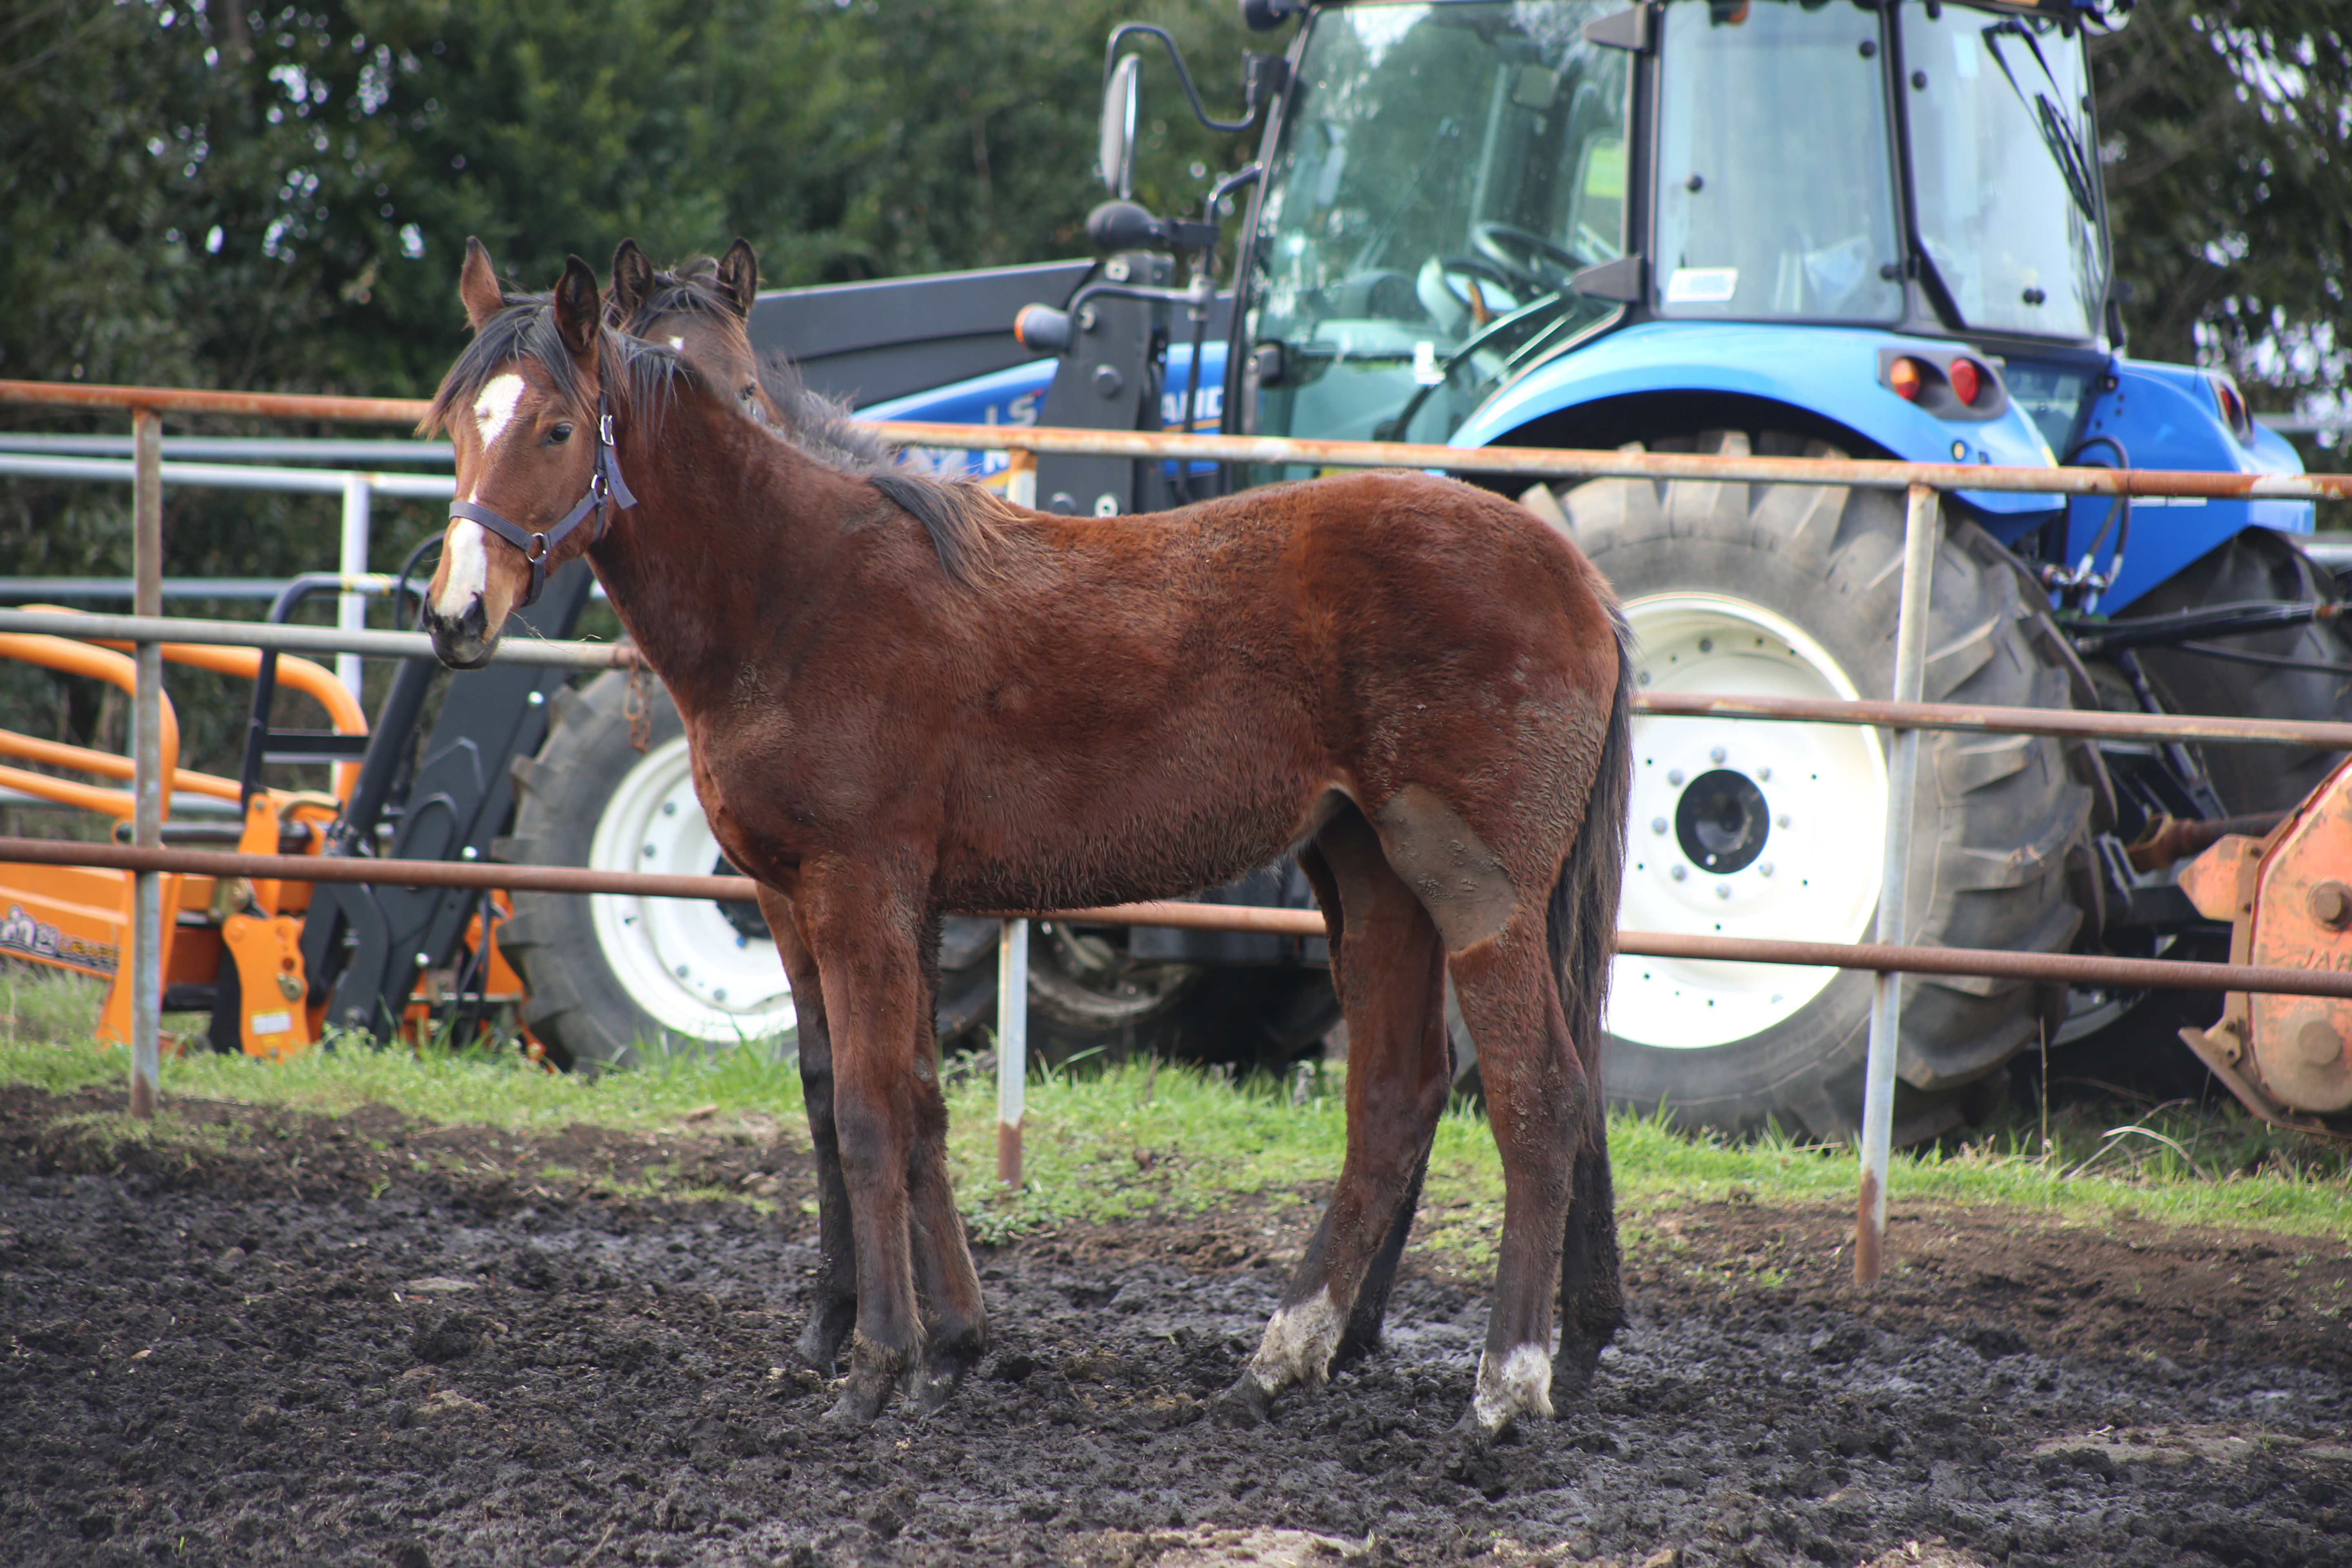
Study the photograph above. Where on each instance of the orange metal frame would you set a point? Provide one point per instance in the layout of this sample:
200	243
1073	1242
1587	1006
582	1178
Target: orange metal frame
79	918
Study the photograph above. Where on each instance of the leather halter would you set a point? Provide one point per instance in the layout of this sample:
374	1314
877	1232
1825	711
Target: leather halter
605	483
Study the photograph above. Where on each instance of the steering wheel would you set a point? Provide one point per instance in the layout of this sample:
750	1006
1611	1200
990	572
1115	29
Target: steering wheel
1531	257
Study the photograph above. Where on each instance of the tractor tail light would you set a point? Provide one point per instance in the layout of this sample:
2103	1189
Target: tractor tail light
1967	380
1904	376
2232	404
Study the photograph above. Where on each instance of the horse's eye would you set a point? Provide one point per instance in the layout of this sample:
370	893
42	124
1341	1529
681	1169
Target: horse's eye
559	435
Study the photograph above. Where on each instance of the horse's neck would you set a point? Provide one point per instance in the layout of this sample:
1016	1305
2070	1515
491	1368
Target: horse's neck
730	527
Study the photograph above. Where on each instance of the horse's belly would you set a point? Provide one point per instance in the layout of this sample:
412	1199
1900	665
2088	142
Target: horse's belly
1148	850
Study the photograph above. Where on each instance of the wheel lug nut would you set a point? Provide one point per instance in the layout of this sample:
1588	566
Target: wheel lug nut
1674	775
1678	872
1763	775
1764	867
1723	889
1714	755
1657	825
1781	820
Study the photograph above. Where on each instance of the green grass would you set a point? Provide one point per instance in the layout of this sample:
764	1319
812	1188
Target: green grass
1104	1146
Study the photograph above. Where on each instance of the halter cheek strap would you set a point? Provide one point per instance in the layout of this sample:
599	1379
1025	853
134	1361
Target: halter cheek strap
605	483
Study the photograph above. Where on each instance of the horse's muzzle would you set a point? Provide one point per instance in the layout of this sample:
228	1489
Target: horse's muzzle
463	642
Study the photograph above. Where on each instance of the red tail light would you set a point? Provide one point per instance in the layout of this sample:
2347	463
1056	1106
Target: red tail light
1905	377
1967	380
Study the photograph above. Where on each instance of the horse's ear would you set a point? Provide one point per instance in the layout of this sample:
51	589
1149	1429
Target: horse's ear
477	285
633	279
578	311
738	274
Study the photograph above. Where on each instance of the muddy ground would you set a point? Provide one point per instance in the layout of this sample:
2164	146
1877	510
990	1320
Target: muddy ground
365	1340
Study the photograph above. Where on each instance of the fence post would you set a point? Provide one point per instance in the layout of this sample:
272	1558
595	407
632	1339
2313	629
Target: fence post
146	956
350	613
1921	532
1021	478
1011	1047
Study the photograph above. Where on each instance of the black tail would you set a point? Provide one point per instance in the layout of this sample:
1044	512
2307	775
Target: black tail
1583	928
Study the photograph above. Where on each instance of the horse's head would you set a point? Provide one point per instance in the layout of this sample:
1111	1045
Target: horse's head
702	310
521	405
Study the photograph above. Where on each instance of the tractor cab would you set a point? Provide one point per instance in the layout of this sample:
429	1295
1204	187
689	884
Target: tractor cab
1459	193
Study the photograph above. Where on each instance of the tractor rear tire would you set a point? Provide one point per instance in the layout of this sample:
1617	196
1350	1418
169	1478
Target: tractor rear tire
608	976
1793	590
2256	564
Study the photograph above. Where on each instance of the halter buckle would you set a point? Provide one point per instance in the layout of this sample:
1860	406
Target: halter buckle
604	428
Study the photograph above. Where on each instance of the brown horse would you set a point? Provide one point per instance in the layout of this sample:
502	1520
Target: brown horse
1413	682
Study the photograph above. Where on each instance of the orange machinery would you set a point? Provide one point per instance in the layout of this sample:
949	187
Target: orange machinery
79	918
2287	894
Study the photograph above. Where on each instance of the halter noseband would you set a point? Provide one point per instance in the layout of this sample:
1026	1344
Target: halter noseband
605	483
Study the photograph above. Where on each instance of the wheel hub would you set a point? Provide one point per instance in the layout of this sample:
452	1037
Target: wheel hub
1748	829
1723	821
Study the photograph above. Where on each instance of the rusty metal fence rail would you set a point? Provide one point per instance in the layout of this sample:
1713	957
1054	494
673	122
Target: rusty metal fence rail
1904	716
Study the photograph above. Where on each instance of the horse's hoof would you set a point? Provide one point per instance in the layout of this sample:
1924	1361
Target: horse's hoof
862	1398
819	1346
1472	1435
929	1386
1246	1402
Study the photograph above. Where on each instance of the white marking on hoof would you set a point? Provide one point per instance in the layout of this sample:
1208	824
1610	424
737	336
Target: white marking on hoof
1300	1343
465	574
1520	1386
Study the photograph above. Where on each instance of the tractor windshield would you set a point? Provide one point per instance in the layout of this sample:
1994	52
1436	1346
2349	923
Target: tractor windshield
1776	173
2004	170
1443	169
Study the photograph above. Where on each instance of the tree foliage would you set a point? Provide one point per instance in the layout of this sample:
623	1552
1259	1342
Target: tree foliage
2227	139
258	196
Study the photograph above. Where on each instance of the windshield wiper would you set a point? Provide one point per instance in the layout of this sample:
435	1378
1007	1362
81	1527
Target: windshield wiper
2060	135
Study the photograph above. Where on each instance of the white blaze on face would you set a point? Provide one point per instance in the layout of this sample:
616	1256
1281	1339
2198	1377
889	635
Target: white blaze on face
495	408
465	571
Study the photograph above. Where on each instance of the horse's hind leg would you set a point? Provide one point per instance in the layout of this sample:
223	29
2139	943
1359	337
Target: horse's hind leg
1539	1103
835	1309
1390	973
1591	1293
946	1284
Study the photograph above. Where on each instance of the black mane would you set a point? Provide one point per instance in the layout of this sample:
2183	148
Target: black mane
526	328
961	516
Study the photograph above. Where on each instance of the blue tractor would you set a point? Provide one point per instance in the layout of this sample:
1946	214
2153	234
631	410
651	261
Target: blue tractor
1806	228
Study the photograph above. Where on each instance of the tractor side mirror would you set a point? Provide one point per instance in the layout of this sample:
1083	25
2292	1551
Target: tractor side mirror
1124	226
1118	126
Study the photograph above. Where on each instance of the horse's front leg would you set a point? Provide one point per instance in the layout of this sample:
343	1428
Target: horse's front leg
835	1309
863	927
947	1285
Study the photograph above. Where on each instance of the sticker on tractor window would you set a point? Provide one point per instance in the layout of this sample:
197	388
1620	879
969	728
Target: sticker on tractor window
1701	285
20	932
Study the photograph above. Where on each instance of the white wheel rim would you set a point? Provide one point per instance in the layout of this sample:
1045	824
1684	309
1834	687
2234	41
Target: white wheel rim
1812	872
680	958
